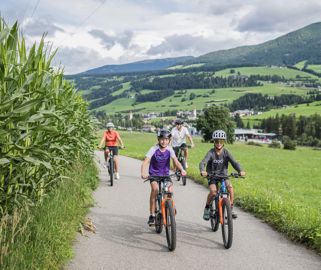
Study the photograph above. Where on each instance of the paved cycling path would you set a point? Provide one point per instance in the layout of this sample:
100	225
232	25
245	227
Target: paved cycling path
124	241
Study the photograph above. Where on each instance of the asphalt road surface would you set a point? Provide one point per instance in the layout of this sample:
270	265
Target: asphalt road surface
123	239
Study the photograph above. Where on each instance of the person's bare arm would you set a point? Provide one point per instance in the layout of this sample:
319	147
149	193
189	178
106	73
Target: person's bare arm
191	140
102	141
179	166
121	141
143	170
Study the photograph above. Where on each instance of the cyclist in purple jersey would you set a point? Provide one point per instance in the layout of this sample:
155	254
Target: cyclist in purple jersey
158	157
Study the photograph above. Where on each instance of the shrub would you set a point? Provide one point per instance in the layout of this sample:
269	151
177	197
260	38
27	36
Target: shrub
255	144
288	143
275	144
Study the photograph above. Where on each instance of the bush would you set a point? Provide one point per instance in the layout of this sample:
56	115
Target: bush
288	143
275	144
255	144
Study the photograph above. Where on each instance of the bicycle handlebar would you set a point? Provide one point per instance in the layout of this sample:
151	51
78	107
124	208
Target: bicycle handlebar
160	178
217	176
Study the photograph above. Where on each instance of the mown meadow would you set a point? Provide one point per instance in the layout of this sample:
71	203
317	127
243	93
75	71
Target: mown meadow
282	187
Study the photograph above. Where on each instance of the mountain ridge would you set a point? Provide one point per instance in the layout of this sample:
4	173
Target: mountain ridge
303	44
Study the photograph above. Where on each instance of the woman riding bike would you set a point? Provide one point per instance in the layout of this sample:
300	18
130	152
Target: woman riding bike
110	140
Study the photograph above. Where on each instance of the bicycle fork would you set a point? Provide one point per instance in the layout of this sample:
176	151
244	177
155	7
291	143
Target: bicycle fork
163	209
220	202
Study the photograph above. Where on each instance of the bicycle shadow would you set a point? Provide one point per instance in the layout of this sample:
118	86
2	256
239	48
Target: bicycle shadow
198	235
131	231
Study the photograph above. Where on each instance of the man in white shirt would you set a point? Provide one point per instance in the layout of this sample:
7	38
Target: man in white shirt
179	134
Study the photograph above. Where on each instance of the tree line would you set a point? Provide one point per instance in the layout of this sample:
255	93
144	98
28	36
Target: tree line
257	101
194	81
154	96
306	130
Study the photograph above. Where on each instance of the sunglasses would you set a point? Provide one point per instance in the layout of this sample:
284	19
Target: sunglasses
219	141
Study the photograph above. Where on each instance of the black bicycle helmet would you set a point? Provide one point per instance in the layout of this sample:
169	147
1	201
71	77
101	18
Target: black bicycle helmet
219	134
178	122
164	133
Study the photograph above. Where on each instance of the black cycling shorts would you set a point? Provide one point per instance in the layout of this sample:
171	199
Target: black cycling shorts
216	181
176	148
113	149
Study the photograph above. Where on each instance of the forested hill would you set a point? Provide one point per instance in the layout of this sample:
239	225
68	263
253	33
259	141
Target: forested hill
303	44
146	65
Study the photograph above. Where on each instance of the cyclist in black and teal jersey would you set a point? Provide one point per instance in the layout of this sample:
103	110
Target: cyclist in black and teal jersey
216	163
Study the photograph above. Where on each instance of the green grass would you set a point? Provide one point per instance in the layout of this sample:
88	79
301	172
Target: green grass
221	96
316	68
186	67
125	87
300	65
47	231
282	187
302	109
280	71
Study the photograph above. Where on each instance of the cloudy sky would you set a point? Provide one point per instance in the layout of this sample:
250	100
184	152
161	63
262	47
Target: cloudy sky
92	33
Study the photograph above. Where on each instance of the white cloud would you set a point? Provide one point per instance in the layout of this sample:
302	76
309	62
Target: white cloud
119	31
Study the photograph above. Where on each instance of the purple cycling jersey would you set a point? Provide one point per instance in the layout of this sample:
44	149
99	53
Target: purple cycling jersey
160	160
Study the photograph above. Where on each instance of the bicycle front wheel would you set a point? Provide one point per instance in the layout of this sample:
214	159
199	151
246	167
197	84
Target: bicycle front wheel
183	162
227	226
111	171
170	225
214	217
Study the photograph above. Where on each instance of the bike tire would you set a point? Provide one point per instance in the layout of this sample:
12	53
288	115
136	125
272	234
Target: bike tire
214	217
184	167
111	171
170	225
227	226
178	175
159	222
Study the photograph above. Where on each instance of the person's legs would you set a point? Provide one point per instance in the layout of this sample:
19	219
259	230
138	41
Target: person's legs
231	192
210	196
116	163
114	149
106	155
152	202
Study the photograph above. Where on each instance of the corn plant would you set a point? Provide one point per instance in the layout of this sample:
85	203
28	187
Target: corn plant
44	123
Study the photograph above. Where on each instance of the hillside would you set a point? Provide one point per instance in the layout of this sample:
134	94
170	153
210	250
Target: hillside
303	44
146	65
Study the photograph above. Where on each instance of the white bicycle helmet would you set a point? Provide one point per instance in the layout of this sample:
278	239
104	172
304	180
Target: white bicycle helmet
219	135
110	125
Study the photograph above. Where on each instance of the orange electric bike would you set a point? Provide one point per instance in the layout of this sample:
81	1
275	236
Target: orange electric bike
165	209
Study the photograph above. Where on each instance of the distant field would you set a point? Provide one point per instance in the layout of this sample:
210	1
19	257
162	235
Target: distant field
300	65
280	71
205	97
281	187
126	86
186	67
316	68
302	109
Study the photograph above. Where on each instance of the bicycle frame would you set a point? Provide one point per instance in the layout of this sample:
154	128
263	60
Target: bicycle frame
221	194
163	196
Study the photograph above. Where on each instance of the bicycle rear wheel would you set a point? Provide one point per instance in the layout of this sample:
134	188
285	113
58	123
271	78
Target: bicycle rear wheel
227	226
214	217
111	171
170	225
